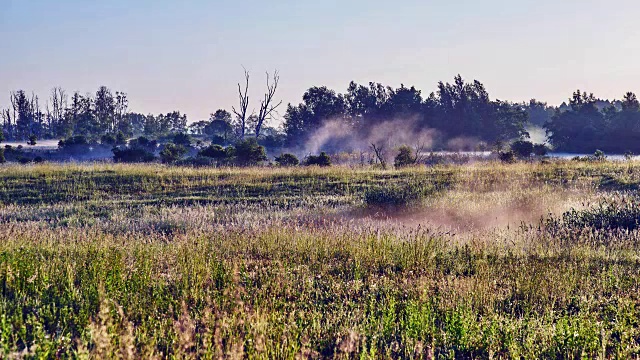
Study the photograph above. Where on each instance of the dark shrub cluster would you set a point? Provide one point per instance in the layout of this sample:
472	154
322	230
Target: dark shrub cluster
396	196
132	155
321	160
287	160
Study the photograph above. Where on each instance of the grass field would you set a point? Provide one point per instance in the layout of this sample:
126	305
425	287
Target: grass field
475	261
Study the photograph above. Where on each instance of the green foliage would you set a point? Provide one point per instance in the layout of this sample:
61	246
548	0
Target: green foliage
248	152
214	151
75	144
121	138
540	150
172	153
522	148
2	159
507	156
322	160
405	157
145	143
132	155
396	196
182	139
287	159
108	139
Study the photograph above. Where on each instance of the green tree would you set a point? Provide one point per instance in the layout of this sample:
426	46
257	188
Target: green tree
172	153
248	152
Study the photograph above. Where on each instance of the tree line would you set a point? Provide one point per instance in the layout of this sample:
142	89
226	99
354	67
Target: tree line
456	110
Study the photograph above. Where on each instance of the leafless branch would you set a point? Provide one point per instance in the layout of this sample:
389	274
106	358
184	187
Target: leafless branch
243	97
380	154
266	105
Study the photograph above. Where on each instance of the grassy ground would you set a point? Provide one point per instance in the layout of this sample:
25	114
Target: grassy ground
489	260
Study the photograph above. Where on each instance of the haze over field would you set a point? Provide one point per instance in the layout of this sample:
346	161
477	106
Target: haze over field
167	55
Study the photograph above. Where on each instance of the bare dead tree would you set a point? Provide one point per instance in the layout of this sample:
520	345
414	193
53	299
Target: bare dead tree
267	107
418	153
380	154
243	97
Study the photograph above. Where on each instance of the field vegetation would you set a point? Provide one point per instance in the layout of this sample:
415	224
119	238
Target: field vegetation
487	260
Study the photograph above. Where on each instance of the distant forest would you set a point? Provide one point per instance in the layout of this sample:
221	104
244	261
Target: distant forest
457	110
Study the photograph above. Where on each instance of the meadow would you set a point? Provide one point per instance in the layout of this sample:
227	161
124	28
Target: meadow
486	260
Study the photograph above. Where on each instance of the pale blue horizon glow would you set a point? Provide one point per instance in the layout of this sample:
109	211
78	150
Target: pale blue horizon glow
188	55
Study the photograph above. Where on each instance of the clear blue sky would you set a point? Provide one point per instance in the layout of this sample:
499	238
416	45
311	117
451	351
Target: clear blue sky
187	55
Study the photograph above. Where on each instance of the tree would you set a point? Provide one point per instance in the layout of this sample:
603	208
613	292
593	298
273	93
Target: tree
321	160
104	110
405	157
214	151
32	140
182	139
522	148
172	153
267	107
131	155
219	125
243	98
287	160
248	152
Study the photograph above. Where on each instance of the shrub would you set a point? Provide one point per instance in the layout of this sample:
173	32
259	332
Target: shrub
2	159
108	139
321	160
540	150
217	139
599	156
33	140
522	148
144	143
182	139
121	138
405	157
507	156
172	153
132	155
287	160
73	143
248	152
198	161
38	159
216	152
395	196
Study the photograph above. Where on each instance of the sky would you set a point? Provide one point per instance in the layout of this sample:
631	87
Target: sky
189	55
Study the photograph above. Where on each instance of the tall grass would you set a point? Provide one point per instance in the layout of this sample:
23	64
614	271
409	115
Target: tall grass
114	261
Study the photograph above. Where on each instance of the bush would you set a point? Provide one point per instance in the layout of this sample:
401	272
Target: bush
395	196
172	153
405	157
248	152
599	156
121	138
182	139
33	139
38	159
321	160
198	161
522	148
144	143
217	139
73	143
507	156
132	155
2	159
216	152
540	150
108	139
287	160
